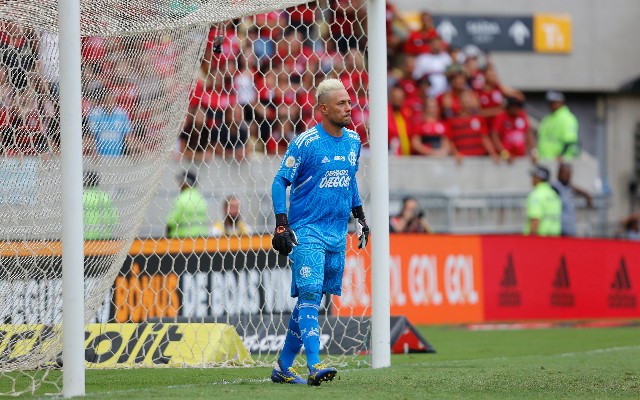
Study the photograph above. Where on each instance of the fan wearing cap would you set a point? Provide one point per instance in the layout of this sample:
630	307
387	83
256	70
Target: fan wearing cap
188	216
558	131
544	207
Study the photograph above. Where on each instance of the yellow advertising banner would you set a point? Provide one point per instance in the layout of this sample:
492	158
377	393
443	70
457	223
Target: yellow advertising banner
552	33
141	345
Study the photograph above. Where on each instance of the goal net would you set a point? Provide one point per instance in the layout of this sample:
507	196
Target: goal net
184	94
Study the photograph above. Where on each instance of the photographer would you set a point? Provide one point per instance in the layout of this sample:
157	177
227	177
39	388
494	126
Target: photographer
410	219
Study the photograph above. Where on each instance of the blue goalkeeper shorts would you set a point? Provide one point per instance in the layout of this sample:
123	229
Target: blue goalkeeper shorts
312	265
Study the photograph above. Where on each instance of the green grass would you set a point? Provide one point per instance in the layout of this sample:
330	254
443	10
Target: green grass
562	363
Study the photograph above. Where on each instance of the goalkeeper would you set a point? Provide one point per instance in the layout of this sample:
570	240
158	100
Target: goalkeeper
320	165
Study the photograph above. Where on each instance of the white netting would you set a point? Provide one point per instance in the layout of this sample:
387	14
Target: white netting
154	87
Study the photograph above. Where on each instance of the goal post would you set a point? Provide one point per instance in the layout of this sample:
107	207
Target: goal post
167	108
72	225
381	299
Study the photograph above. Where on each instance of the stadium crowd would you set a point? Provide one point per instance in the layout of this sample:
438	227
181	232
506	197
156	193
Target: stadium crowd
443	101
257	92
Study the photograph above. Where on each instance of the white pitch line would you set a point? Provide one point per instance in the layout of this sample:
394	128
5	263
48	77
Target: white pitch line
504	358
596	351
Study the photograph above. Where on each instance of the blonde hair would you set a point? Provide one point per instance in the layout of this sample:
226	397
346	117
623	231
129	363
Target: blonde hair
327	86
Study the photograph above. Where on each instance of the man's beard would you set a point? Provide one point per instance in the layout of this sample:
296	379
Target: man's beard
341	123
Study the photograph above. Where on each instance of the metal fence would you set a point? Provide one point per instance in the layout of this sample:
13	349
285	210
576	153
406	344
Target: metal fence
502	213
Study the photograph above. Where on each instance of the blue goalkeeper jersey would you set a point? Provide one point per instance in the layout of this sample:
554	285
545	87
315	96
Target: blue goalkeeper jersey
321	170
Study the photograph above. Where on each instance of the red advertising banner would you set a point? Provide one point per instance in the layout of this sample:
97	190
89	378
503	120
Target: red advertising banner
553	278
434	279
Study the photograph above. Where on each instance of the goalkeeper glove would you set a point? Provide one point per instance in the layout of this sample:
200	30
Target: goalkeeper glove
283	238
362	229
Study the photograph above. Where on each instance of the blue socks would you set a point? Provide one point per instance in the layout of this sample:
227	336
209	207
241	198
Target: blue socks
303	329
310	331
293	340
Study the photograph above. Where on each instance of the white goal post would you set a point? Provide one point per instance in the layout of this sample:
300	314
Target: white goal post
72	225
110	110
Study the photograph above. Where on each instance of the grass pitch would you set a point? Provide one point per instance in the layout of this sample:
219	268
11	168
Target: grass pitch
558	363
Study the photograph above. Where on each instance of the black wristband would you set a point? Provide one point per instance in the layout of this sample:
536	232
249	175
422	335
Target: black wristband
281	219
358	212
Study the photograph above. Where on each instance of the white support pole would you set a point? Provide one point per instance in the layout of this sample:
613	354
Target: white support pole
379	213
72	228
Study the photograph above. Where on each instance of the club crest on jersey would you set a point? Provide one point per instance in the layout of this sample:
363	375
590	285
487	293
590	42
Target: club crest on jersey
325	160
290	162
352	158
305	271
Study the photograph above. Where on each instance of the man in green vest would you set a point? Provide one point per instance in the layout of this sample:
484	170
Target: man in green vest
544	207
558	131
188	216
99	214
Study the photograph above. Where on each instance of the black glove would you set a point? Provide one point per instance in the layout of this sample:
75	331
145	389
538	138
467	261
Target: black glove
283	238
362	229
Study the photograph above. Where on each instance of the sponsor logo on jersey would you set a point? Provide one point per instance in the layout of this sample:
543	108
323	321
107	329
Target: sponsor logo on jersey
338	158
310	139
305	271
306	137
353	158
335	178
353	134
290	162
325	160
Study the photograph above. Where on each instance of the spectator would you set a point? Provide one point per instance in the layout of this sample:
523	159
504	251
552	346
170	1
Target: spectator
565	190
467	132
511	133
233	135
433	64
188	216
345	23
19	44
269	33
415	95
302	18
233	224
558	131
28	129
396	29
292	54
430	133
630	227
49	64
450	101
544	207
490	95
110	125
400	123
99	215
470	55
411	218
7	109
418	40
